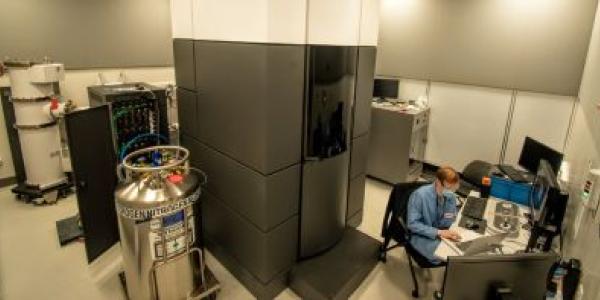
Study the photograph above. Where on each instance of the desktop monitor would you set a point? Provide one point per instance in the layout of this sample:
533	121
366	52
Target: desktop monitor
385	88
477	277
538	196
545	180
533	151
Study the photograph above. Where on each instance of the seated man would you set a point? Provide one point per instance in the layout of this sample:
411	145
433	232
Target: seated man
431	210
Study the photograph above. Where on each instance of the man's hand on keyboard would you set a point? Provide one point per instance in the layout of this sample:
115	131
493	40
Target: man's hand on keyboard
449	235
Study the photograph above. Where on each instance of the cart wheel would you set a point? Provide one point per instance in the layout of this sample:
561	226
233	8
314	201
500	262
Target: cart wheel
383	257
64	193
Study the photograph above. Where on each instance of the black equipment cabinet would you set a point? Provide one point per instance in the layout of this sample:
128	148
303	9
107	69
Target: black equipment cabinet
133	114
331	76
13	135
94	166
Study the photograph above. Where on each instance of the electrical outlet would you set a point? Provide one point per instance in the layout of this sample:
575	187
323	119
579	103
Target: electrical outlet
1	162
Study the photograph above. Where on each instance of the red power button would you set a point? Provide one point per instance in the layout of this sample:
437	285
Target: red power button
175	178
54	104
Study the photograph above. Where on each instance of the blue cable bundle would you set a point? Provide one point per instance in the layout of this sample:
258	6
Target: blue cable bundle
135	139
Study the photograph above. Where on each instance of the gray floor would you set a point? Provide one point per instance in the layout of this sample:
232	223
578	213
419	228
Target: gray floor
34	266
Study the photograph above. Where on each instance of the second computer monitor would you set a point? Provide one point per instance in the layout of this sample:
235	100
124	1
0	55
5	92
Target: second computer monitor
478	277
385	88
533	151
545	180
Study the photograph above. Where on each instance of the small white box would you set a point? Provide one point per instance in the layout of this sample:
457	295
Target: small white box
590	191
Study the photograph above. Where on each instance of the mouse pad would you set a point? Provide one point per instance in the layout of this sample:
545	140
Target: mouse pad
481	224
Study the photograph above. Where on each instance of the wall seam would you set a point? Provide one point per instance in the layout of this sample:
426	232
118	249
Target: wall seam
569	134
511	111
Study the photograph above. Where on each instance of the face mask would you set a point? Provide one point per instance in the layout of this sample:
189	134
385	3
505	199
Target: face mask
447	191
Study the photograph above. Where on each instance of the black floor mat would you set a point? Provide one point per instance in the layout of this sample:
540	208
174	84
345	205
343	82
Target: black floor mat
68	230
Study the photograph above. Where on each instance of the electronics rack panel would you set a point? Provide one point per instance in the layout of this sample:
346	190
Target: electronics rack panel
138	115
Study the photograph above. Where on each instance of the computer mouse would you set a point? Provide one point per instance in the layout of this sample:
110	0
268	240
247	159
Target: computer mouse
471	225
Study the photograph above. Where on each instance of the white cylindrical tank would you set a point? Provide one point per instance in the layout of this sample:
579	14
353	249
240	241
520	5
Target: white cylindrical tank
21	85
40	148
31	113
32	89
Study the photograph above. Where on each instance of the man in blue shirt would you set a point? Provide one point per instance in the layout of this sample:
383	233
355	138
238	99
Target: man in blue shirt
431	211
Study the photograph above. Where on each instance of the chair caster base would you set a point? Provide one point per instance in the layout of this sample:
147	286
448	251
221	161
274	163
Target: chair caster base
382	254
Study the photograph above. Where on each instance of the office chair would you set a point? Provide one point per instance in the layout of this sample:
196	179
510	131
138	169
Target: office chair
394	228
472	175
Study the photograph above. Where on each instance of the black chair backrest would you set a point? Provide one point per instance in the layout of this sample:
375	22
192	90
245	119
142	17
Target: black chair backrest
394	221
475	171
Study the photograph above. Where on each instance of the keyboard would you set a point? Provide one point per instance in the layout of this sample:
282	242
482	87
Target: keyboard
464	246
512	173
475	207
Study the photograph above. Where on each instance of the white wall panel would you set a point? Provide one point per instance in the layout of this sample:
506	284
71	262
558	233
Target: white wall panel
411	89
287	21
583	147
369	23
230	20
467	123
532	45
181	19
88	34
541	116
257	21
334	22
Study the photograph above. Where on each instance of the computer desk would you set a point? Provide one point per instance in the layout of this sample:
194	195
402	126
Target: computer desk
509	245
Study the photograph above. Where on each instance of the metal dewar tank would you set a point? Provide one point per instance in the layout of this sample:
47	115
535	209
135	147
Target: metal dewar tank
154	203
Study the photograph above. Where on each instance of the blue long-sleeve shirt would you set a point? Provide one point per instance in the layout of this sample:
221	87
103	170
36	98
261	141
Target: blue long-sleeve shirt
426	214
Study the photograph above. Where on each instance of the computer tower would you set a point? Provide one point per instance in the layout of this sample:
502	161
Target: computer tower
554	209
549	223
